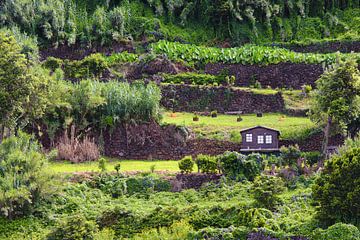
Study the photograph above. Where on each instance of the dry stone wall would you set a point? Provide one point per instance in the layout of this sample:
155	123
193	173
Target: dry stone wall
188	98
282	75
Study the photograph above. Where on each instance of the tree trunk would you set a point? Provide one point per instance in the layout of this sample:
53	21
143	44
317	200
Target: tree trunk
326	141
1	133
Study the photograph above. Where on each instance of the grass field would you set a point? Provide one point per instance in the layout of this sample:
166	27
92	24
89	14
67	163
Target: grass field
226	126
126	165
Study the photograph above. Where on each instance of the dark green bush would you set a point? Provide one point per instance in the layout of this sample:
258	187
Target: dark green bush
290	155
266	190
337	190
24	181
240	167
311	158
336	232
118	185
206	163
74	227
186	164
52	63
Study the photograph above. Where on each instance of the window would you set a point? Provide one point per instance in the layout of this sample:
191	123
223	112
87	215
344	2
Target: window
268	139
249	137
260	139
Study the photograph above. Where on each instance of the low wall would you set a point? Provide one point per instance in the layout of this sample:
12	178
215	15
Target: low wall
187	98
151	141
326	47
282	75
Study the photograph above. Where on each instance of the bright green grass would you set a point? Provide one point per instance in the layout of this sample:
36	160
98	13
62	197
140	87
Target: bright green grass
126	165
295	128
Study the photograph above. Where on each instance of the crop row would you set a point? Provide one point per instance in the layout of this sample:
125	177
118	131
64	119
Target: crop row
247	55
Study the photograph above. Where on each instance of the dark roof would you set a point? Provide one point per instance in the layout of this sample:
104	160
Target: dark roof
271	129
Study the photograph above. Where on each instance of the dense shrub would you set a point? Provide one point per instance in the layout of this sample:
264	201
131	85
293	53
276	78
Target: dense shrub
337	231
186	164
311	157
178	230
74	227
24	181
206	163
337	190
95	105
118	185
290	155
240	167
52	63
222	233
266	190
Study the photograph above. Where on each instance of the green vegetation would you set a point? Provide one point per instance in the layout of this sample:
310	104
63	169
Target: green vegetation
89	22
247	54
222	127
334	191
126	166
336	98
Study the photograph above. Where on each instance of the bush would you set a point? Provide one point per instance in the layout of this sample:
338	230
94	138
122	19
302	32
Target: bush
75	227
52	63
290	155
24	181
266	190
337	231
117	185
337	190
206	163
311	157
240	167
222	233
186	164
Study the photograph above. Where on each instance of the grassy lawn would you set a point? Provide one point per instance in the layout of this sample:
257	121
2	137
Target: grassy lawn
226	126
126	165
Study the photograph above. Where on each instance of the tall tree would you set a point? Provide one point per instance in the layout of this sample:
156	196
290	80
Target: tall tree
14	84
336	97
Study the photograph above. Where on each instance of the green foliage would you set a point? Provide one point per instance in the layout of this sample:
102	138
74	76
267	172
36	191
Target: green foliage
24	181
193	78
52	63
337	94
206	163
222	233
14	82
74	227
290	155
311	157
97	104
178	230
246	55
119	185
102	164
266	190
337	189
337	231
186	164
240	167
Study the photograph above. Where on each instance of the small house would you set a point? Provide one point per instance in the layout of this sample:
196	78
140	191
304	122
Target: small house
260	139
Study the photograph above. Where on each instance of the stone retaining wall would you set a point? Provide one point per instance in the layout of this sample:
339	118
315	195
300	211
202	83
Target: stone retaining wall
151	141
188	98
282	75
